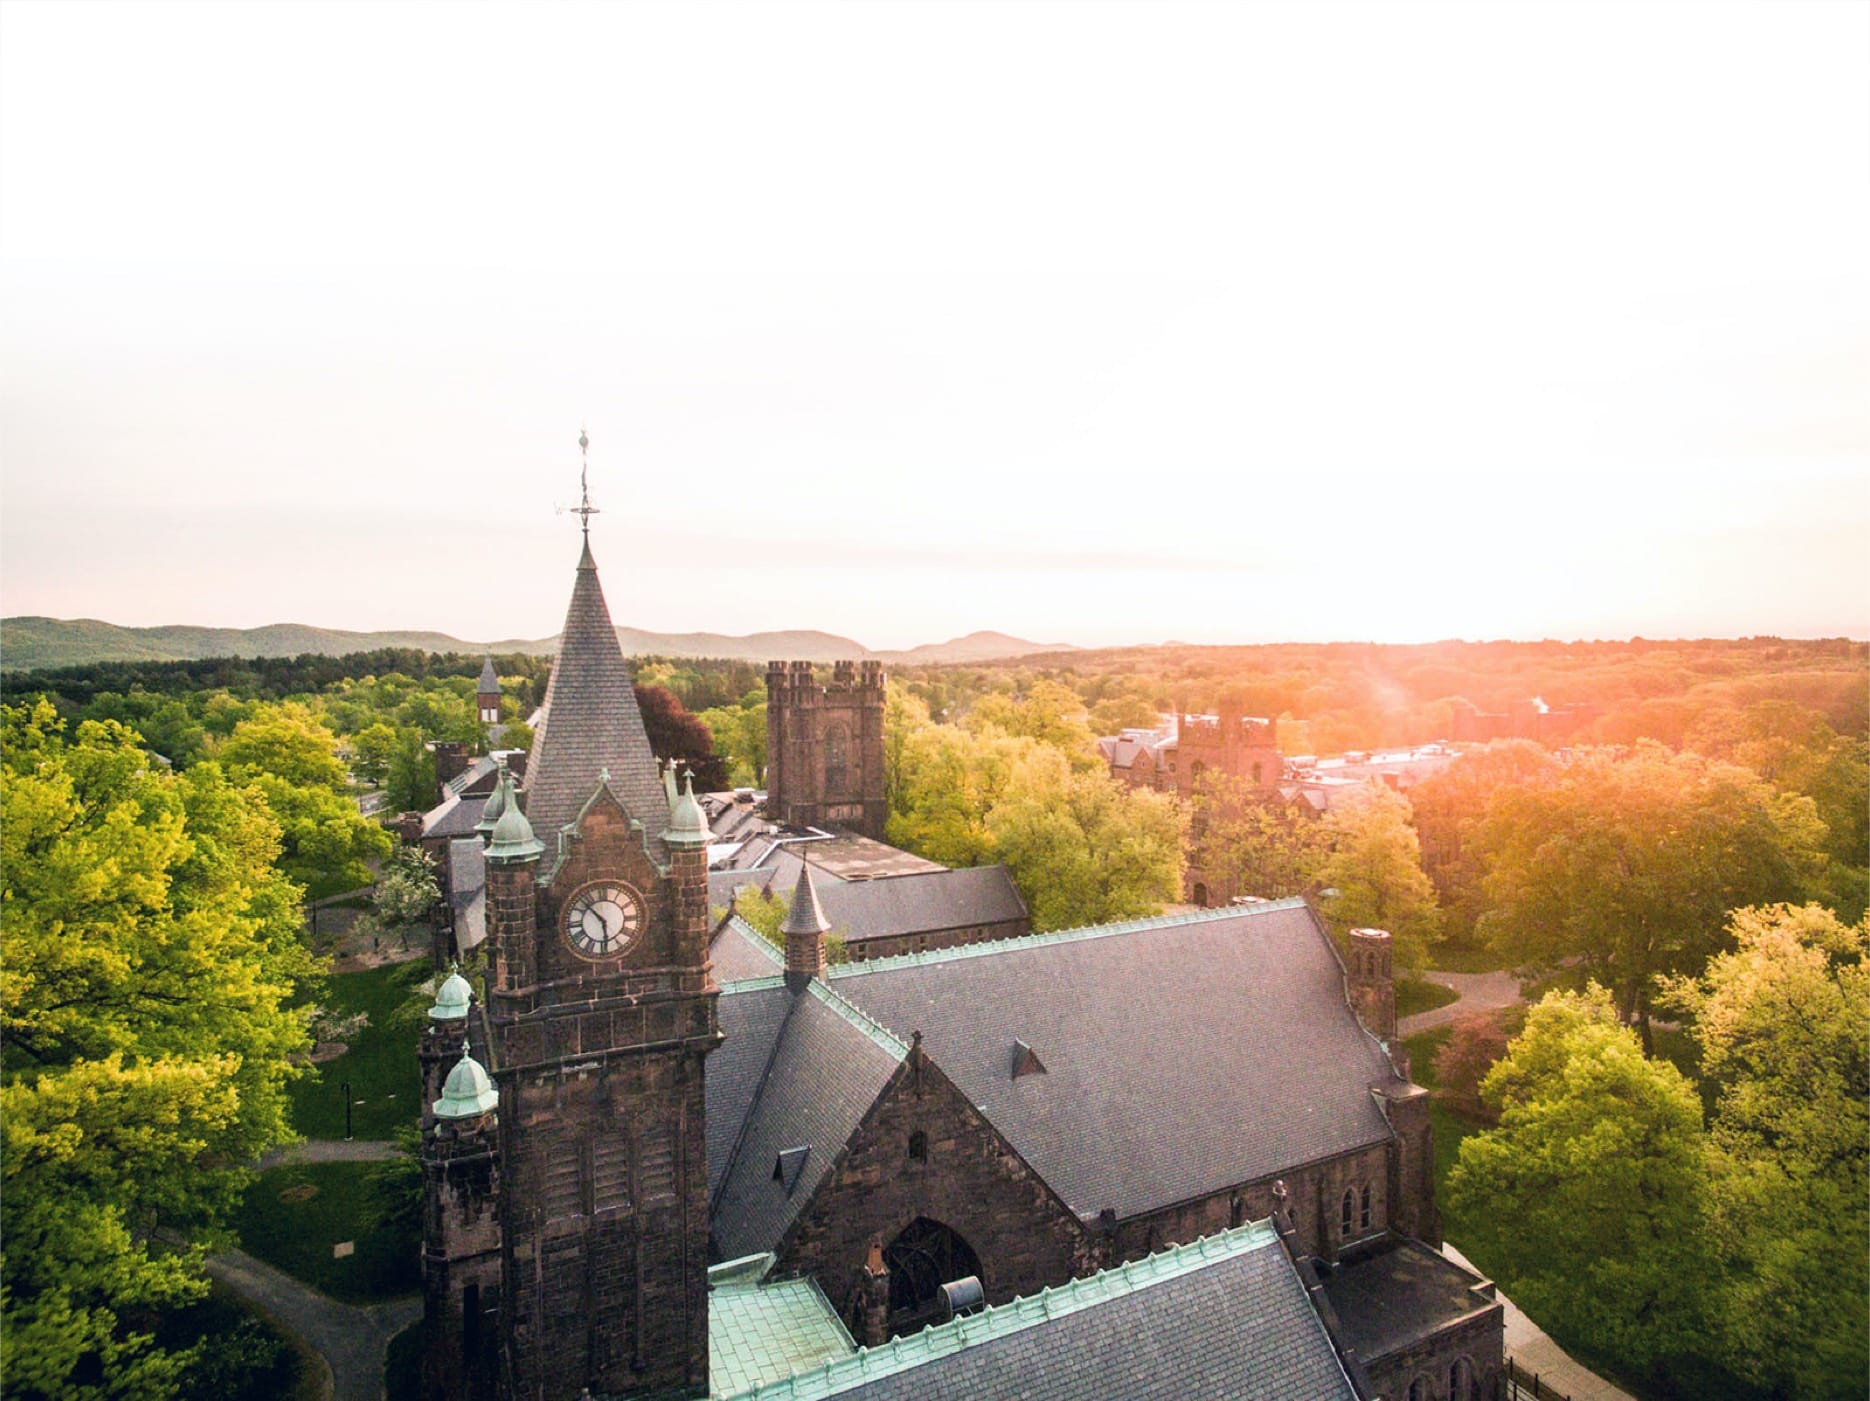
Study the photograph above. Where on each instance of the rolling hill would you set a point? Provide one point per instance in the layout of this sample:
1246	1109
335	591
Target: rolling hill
36	644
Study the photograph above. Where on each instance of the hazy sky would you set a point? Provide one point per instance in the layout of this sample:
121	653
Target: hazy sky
1099	323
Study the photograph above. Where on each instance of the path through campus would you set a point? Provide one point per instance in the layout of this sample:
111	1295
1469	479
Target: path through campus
352	1340
1479	992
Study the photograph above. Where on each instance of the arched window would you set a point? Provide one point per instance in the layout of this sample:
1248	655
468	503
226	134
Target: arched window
1461	1383
1346	1209
1363	1208
1419	1390
921	1260
1237	1210
919	1146
1201	895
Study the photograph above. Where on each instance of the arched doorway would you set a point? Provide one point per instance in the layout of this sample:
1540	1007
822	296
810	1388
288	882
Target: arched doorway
1201	895
921	1260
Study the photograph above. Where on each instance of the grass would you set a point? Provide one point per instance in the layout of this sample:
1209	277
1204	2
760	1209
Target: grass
295	1232
1415	995
1467	958
380	1066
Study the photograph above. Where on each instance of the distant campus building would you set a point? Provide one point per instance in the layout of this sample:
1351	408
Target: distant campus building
663	1157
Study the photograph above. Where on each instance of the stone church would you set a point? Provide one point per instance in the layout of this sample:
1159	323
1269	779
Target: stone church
662	1157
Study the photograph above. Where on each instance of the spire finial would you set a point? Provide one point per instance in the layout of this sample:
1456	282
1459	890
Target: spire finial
584	509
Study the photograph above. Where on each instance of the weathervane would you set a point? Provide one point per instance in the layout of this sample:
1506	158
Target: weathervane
584	509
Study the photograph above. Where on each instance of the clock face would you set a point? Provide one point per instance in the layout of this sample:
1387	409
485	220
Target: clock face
603	919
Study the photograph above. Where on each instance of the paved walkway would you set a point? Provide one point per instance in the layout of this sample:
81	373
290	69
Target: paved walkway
352	1340
1528	1345
1479	992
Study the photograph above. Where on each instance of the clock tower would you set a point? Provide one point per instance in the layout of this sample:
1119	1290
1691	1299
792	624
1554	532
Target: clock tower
602	1014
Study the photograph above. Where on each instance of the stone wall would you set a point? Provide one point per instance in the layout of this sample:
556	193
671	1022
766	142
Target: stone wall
968	1179
824	747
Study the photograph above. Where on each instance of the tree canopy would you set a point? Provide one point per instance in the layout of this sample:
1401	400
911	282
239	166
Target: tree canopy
1630	863
1781	1023
153	952
1587	1198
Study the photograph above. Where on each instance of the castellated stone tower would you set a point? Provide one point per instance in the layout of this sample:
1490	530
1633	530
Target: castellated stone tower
824	746
1372	980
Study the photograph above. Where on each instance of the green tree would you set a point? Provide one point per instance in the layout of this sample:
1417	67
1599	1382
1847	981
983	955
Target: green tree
411	785
407	890
1449	805
284	752
1586	1201
153	952
1781	1022
1084	850
1269	849
1375	866
1630	864
1044	711
371	748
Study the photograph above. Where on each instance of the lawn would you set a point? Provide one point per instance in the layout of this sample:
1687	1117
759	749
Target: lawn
1467	958
1415	995
380	1066
294	1215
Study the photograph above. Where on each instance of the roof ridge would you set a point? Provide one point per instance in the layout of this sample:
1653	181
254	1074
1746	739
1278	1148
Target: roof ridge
858	1018
1027	1311
1076	935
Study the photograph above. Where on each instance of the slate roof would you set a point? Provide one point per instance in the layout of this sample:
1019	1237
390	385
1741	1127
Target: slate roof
894	905
1183	1054
453	816
738	955
480	767
1224	1317
751	1013
488	682
827	1067
467	890
591	724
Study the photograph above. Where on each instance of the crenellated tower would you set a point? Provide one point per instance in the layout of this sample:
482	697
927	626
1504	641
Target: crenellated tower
824	746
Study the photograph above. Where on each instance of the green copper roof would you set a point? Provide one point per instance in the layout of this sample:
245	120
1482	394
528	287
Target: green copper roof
760	1333
497	802
687	824
917	1349
1057	936
467	1092
513	839
452	999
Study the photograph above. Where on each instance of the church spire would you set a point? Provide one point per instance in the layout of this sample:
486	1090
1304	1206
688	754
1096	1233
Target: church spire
592	723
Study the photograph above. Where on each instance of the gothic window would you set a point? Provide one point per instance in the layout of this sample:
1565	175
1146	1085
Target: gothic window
1201	895
1346	1210
921	1260
1461	1385
1419	1390
1237	1210
919	1146
837	761
1363	1208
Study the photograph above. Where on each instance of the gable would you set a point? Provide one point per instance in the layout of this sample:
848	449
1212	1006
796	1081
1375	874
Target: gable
1182	1055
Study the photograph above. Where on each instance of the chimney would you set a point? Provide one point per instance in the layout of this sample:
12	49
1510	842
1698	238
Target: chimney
805	929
